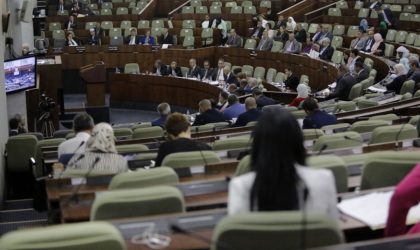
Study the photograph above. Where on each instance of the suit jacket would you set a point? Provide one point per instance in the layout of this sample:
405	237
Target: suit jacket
150	41
163	70
263	101
249	116
231	78
265	44
300	36
396	84
176	72
317	36
344	85
216	74
207	74
326	54
194	72
169	39
318	119
210	116
93	40
160	121
363	74
358	43
258	31
326	35
73	25
391	18
234	41
278	24
292	82
294	47
282	37
128	39
369	41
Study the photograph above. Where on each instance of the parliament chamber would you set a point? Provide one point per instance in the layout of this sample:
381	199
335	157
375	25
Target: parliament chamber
345	179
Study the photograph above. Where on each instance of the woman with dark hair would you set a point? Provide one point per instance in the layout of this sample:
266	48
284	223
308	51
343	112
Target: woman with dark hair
279	181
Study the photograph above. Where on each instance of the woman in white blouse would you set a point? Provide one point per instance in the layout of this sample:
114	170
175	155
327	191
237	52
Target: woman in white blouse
279	180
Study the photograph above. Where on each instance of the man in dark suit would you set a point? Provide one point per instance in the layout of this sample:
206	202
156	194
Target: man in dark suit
326	33
207	114
166	38
386	15
218	72
280	22
207	72
369	41
70	24
257	31
164	110
315	117
344	84
174	70
194	71
230	78
132	39
300	33
234	40
93	38
160	69
265	43
326	52
292	80
261	99
318	34
362	71
251	114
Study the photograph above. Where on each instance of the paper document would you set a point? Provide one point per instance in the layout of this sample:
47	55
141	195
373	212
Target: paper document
372	209
377	90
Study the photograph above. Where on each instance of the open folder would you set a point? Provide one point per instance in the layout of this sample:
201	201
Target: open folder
372	209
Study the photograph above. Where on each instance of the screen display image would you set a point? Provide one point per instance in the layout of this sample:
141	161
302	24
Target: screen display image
20	74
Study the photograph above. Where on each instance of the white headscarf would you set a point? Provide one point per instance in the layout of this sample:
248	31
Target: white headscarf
404	58
102	139
400	69
291	24
302	90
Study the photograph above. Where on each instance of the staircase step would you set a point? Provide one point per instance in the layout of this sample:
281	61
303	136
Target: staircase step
21	215
17	204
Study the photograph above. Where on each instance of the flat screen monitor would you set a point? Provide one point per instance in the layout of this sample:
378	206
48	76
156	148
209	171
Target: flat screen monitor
20	74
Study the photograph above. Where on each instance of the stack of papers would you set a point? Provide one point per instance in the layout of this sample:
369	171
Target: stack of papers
372	209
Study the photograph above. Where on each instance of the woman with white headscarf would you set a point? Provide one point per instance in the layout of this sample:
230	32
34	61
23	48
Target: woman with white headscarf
290	25
101	153
403	53
401	77
378	48
302	93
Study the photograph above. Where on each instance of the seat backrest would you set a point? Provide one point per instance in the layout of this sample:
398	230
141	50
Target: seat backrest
355	91
312	134
338	30
411	37
19	150
106	25
106	12
157	24
387	168
90	25
39	156
248	70
186	32
338	140
342	5
144	178
387	117
367	126
54	26
250	43
81	236
393	133
236	10
405	16
188	42
363	13
115	32
116	40
407	87
337	167
58	34
280	77
334	12
188	24
149	132
122	11
264	230
134	148
214	9
409	8
337	57
352	31
390	36
239	142
126	203
187	10
201	10
250	10
190	159
259	72
271	74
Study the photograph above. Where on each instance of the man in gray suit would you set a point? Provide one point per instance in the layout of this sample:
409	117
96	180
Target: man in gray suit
265	43
292	46
359	42
234	40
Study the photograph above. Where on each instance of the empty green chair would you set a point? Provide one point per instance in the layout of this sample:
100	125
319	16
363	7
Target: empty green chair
93	6
39	168
389	50
188	24
141	125
406	96
214	9
115	32
116	41
366	103
126	24
390	36
196	3
329	129
299	114
106	5
187	10
106	25
334	12
122	11
344	106
342	5
131	68
190	159
367	126
312	28
250	10
338	30
80	236
277	46
414	120
188	42
393	133
201	10
312	134
90	25
150	132
126	203
236	10
269	230
280	77
207	36
248	70
355	91
259	72
230	4
271	74
387	117
246	3
347	139
143	24
144	178
352	31
337	167
250	43
134	148
186	32
240	142
19	149
244	166
54	26
407	87
396	8
157	24
405	17
401	36
409	8
358	5
387	168
58	34
411	37
106	12
417	41
363	13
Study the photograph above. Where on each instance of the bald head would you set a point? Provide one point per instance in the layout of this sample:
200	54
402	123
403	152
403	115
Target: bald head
204	105
250	103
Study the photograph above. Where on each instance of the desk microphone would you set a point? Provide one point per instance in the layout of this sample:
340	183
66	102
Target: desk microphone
325	146
76	190
351	139
397	136
177	229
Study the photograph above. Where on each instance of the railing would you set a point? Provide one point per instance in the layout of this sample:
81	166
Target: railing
178	8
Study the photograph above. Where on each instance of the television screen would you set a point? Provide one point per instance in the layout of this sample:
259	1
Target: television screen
20	74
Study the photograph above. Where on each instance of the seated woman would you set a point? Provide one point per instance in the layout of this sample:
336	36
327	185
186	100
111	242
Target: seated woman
279	180
179	134
378	48
100	153
302	91
401	77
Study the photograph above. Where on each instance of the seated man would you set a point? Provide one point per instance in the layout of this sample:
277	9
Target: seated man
261	99
265	43
362	70
292	80
291	46
179	134
316	118
207	72
345	82
93	38
234	40
70	24
251	114
160	69
194	71
230	78
164	110
326	52
207	114
218	74
166	38
147	39
234	109
132	39
82	126
174	70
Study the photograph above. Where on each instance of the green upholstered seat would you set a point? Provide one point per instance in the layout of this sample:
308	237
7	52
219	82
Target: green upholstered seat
343	106
367	126
335	127
141	125
366	103
244	166
148	132
19	150
337	167
131	148
78	236
38	171
137	202
337	140
190	159
387	168
312	134
387	117
233	143
79	173
144	178
131	68
123	132
270	230
393	133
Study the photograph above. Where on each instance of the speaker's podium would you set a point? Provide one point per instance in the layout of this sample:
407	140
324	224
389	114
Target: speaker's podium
94	76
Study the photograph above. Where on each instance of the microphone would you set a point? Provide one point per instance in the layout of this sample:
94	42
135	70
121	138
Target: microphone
50	176
76	190
177	229
325	146
397	136
351	139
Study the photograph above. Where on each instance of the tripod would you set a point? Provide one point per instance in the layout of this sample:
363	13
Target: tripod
47	126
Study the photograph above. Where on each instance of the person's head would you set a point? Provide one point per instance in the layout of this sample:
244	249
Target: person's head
21	120
243	83
310	105
342	70
308	40
302	90
177	125
13	124
359	34
250	103
232	99
378	37
252	82
173	64
158	63
400	69
25	49
291	37
164	109
204	105
256	93
358	66
232	88
207	17
371	33
221	63
414	62
276	179
282	29
354	53
232	32
259	23
325	42
92	32
265	34
69	36
290	20
102	139
193	62
164	31
223	96
226	70
61	1
325	29
299	27
133	32
288	72
241	76
147	33
71	18
83	122
318	28
402	52
280	18
206	64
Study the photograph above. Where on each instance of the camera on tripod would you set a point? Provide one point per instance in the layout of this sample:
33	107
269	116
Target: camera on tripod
46	103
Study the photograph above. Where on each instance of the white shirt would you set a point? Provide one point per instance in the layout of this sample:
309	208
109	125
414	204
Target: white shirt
205	24
69	146
322	195
220	76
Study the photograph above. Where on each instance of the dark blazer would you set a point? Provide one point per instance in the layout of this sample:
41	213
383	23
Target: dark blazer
283	37
397	83
128	38
292	82
73	26
390	16
160	121
249	116
194	72
279	23
163	70
370	41
317	36
169	39
93	40
177	72
210	116
318	119
258	31
234	42
326	54
342	90
179	145
363	74
231	78
381	48
207	75
216	72
300	36
263	101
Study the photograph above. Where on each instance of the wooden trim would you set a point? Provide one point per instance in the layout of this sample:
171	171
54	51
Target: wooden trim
178	8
